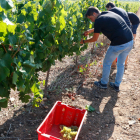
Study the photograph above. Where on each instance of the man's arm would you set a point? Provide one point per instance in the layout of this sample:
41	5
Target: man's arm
93	39
88	31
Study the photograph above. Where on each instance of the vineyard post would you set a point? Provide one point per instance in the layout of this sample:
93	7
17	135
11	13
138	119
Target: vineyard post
46	80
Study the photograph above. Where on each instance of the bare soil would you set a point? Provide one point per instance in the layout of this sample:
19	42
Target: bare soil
116	115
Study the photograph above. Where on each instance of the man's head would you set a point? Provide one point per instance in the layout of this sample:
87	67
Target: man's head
110	5
92	13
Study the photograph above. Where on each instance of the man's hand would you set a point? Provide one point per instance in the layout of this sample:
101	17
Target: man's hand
81	42
86	33
93	39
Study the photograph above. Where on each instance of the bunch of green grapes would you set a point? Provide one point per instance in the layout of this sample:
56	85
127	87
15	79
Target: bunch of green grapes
68	133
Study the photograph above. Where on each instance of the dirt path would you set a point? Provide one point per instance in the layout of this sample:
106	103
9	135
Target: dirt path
116	114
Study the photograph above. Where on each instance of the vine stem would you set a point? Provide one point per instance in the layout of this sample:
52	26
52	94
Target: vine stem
76	61
4	48
19	44
16	52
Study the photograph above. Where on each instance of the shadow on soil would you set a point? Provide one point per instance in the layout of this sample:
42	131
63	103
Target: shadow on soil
99	125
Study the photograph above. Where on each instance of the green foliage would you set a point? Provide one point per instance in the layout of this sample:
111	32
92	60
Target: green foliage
129	6
33	34
6	4
38	94
90	108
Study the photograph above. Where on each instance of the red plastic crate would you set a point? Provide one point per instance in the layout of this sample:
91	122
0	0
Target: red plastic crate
60	114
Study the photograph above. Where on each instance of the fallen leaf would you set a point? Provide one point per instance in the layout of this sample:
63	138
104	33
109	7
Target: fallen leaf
72	98
89	108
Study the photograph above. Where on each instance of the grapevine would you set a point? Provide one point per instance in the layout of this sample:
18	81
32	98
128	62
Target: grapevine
33	34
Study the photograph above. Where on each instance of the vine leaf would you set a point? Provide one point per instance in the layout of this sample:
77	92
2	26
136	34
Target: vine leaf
12	39
6	4
22	88
3	103
15	78
25	98
28	63
4	72
38	94
4	92
90	108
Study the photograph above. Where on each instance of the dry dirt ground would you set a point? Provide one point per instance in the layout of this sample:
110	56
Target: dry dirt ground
116	115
